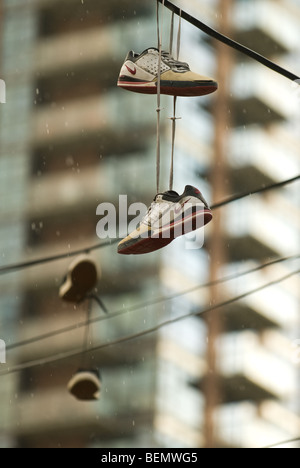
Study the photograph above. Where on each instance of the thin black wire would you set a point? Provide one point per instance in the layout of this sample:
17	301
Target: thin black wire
254	192
87	335
19	266
256	57
40	261
70	354
285	442
230	42
148	303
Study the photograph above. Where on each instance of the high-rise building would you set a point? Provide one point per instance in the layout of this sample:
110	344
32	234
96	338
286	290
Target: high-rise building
71	140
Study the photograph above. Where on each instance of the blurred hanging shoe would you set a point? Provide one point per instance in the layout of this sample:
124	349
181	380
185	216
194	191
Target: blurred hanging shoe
170	216
139	73
80	280
85	385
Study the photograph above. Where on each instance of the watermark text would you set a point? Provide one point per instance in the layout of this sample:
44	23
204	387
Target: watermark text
162	220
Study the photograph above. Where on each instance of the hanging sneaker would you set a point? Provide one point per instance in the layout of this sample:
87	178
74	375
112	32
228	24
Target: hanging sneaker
85	385
170	216
80	280
140	73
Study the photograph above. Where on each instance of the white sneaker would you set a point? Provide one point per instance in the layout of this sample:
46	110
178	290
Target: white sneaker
139	73
169	216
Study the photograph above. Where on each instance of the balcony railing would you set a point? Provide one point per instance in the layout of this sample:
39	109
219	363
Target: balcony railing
242	425
278	34
243	355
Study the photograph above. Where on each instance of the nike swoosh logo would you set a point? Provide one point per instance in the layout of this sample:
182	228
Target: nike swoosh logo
177	210
132	71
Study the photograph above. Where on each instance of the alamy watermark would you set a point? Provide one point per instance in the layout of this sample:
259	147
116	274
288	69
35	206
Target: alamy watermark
2	92
2	352
162	221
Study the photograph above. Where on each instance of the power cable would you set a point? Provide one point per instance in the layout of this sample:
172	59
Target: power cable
7	269
20	266
147	303
70	354
254	192
230	42
54	258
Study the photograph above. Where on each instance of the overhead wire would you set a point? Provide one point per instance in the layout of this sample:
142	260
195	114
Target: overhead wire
75	353
23	265
255	192
5	269
149	303
229	42
53	258
182	14
87	339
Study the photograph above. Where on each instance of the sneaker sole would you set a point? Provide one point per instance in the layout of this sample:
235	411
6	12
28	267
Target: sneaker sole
157	240
171	88
143	246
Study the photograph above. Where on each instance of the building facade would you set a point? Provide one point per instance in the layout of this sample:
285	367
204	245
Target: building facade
71	140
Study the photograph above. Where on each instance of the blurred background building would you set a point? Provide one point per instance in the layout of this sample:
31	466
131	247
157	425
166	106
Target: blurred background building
70	140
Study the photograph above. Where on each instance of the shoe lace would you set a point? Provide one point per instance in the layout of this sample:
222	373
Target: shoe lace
153	210
156	213
180	66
